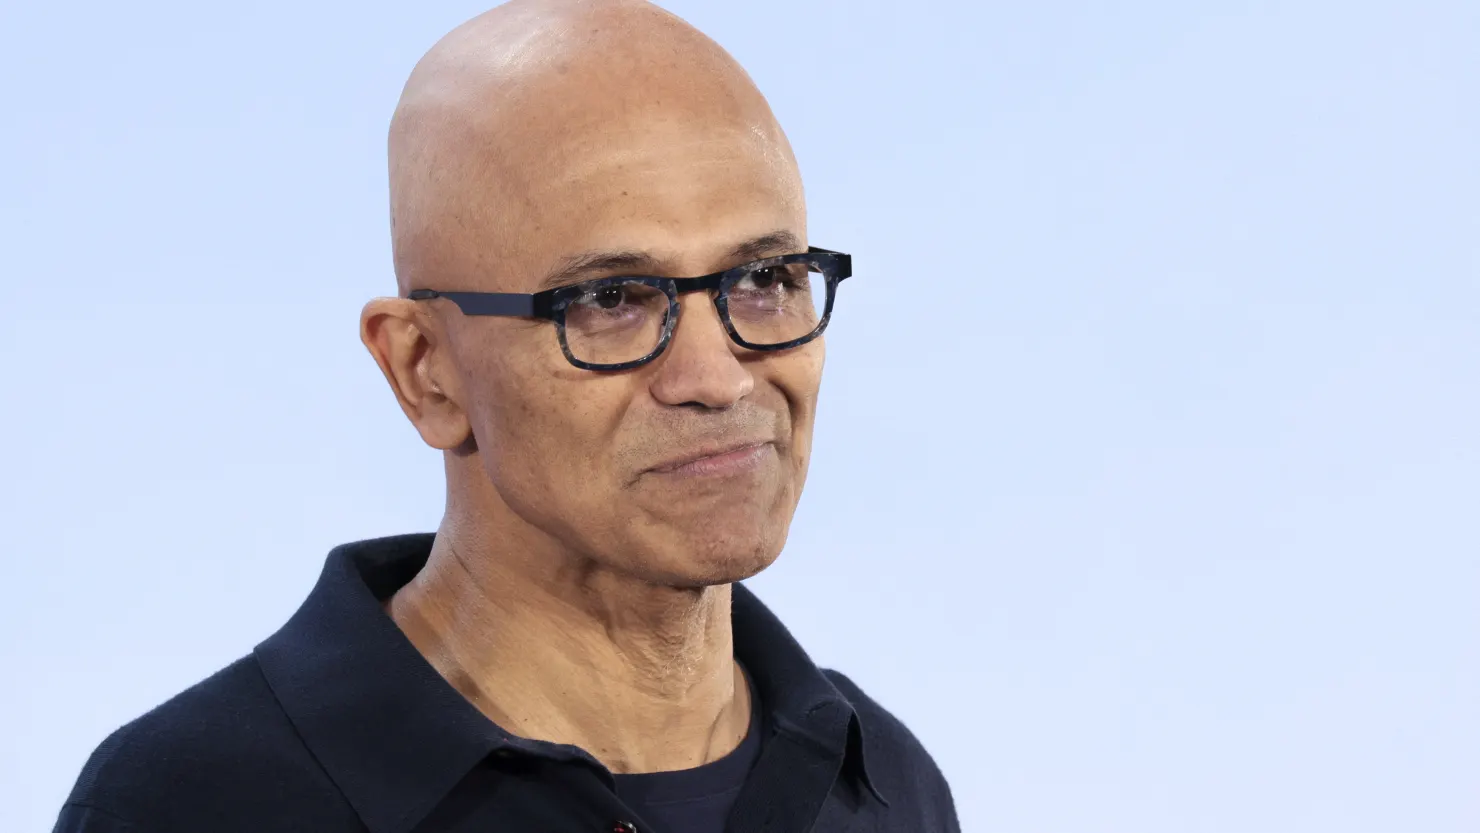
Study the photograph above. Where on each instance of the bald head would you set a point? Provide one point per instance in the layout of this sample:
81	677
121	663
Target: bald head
560	142
511	119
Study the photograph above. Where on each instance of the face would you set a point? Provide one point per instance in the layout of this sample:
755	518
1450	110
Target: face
687	470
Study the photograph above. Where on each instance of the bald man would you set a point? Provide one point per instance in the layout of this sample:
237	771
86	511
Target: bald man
609	323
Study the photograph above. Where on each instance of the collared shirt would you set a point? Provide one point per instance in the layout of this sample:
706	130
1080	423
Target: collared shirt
336	723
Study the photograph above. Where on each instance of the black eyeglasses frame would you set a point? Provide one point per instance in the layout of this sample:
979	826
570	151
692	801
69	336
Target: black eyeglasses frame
551	303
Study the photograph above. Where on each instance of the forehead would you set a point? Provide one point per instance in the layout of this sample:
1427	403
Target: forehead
683	186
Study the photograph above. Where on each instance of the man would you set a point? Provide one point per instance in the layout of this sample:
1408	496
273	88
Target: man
570	651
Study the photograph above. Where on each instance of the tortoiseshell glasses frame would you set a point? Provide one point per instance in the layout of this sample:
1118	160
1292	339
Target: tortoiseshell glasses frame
553	304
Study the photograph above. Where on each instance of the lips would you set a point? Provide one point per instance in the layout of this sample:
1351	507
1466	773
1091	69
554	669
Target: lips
708	453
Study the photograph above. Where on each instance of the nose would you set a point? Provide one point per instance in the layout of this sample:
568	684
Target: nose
701	364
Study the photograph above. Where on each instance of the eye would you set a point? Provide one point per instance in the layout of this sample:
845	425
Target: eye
608	297
617	298
768	280
763	278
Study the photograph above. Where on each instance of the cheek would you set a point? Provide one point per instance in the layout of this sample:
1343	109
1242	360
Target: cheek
798	376
505	387
543	436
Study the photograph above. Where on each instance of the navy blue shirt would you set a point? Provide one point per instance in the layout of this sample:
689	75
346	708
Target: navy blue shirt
695	800
336	724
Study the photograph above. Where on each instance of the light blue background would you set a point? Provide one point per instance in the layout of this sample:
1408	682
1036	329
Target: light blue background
1147	481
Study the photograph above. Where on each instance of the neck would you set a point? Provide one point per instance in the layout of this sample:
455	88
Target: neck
556	648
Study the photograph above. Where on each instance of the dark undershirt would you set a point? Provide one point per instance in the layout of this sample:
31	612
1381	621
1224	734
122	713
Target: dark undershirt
694	800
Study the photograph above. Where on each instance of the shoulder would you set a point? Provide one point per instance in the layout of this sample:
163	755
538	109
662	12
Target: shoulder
216	743
897	762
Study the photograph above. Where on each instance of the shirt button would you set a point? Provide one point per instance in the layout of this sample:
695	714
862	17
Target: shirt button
624	827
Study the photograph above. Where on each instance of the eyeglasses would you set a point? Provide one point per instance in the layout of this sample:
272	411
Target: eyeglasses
624	322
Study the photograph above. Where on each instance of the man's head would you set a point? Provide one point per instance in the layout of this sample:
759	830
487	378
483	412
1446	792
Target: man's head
547	134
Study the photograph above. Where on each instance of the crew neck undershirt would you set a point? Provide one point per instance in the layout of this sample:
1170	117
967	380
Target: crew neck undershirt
696	800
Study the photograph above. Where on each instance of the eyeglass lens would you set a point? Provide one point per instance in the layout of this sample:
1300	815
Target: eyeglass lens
613	323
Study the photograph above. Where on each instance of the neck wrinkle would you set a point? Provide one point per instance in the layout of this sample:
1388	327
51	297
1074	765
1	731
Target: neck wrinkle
555	649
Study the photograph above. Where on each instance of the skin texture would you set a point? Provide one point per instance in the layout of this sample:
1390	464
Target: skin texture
575	594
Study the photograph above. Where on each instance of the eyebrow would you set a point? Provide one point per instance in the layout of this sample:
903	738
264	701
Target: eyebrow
575	267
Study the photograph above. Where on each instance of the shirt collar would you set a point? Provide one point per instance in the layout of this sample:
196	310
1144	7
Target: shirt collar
395	737
798	697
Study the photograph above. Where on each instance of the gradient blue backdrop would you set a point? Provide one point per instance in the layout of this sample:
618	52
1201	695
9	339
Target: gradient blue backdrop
1147	480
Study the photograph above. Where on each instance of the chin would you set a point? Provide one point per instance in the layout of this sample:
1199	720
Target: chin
711	542
709	560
